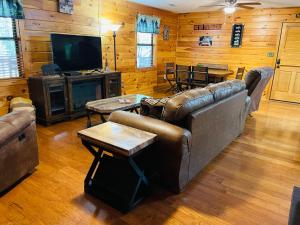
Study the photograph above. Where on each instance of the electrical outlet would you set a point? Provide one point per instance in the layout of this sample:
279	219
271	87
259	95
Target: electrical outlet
270	54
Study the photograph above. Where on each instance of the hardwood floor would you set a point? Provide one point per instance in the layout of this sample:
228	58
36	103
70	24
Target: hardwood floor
251	182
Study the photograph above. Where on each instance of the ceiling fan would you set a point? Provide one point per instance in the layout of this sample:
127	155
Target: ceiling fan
231	5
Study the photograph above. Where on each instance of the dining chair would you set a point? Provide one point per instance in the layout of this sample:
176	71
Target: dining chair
183	77
240	73
170	76
199	76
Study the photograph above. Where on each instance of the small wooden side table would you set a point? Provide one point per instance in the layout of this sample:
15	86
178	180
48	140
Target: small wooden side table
114	176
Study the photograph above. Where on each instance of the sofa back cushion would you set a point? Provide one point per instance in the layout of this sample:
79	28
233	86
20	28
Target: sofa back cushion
225	89
180	105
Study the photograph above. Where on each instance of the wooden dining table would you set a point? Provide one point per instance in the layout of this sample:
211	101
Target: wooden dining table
220	73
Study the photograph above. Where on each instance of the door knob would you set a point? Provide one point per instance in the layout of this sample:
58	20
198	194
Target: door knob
278	63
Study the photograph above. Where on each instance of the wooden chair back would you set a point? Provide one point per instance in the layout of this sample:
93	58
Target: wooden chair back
183	74
240	73
170	71
199	75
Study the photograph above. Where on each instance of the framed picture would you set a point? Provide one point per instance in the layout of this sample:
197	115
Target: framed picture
205	41
66	6
166	33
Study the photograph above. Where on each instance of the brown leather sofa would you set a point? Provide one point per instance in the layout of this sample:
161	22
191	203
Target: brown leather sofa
195	126
18	147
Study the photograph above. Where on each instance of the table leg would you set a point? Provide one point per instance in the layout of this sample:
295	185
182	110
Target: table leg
96	161
89	119
102	118
120	171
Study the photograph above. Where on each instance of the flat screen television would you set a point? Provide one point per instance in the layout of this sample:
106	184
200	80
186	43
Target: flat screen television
73	53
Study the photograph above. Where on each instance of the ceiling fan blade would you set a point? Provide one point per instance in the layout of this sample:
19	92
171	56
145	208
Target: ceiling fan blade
248	3
244	7
202	6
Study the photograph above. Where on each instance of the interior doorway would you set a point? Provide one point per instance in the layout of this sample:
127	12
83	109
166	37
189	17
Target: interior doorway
286	84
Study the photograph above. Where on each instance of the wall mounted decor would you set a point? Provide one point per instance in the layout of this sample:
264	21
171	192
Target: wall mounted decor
298	15
205	41
237	35
166	33
66	6
208	27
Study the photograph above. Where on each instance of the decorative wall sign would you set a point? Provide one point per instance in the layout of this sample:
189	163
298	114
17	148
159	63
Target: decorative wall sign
205	41
208	27
66	6
237	35
166	33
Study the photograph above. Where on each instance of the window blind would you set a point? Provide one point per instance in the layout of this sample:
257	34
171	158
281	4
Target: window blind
10	57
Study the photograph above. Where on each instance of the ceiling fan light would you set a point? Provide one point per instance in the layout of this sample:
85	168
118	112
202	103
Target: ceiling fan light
229	9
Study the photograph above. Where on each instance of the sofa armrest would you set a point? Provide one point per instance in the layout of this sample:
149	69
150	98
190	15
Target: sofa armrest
165	131
172	147
13	123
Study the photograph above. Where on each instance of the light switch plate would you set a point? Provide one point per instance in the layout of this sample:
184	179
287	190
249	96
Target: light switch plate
270	54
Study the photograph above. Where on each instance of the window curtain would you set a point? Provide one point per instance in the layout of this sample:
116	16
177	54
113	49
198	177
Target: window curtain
12	9
148	24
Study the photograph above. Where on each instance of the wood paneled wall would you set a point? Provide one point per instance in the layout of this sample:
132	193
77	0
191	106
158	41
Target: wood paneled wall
135	80
42	19
261	35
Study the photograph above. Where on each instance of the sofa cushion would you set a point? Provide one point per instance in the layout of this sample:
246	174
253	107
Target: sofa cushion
225	89
13	123
180	105
237	85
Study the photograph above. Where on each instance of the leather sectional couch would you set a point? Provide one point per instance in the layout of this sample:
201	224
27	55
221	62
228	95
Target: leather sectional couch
193	128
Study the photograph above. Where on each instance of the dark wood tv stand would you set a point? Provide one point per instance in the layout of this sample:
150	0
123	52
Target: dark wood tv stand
59	98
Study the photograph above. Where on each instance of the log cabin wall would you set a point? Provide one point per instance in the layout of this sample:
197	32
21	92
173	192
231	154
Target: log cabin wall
261	36
135	80
42	18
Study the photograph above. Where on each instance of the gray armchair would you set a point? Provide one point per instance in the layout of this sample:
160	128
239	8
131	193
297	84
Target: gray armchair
256	82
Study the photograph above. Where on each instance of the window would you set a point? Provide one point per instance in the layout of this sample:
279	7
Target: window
145	49
9	60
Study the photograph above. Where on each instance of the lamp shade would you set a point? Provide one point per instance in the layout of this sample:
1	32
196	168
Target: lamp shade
115	27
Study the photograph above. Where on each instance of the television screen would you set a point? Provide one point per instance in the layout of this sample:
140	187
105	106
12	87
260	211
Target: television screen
72	52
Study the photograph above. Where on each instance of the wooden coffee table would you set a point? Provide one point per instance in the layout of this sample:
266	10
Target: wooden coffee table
109	105
114	176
